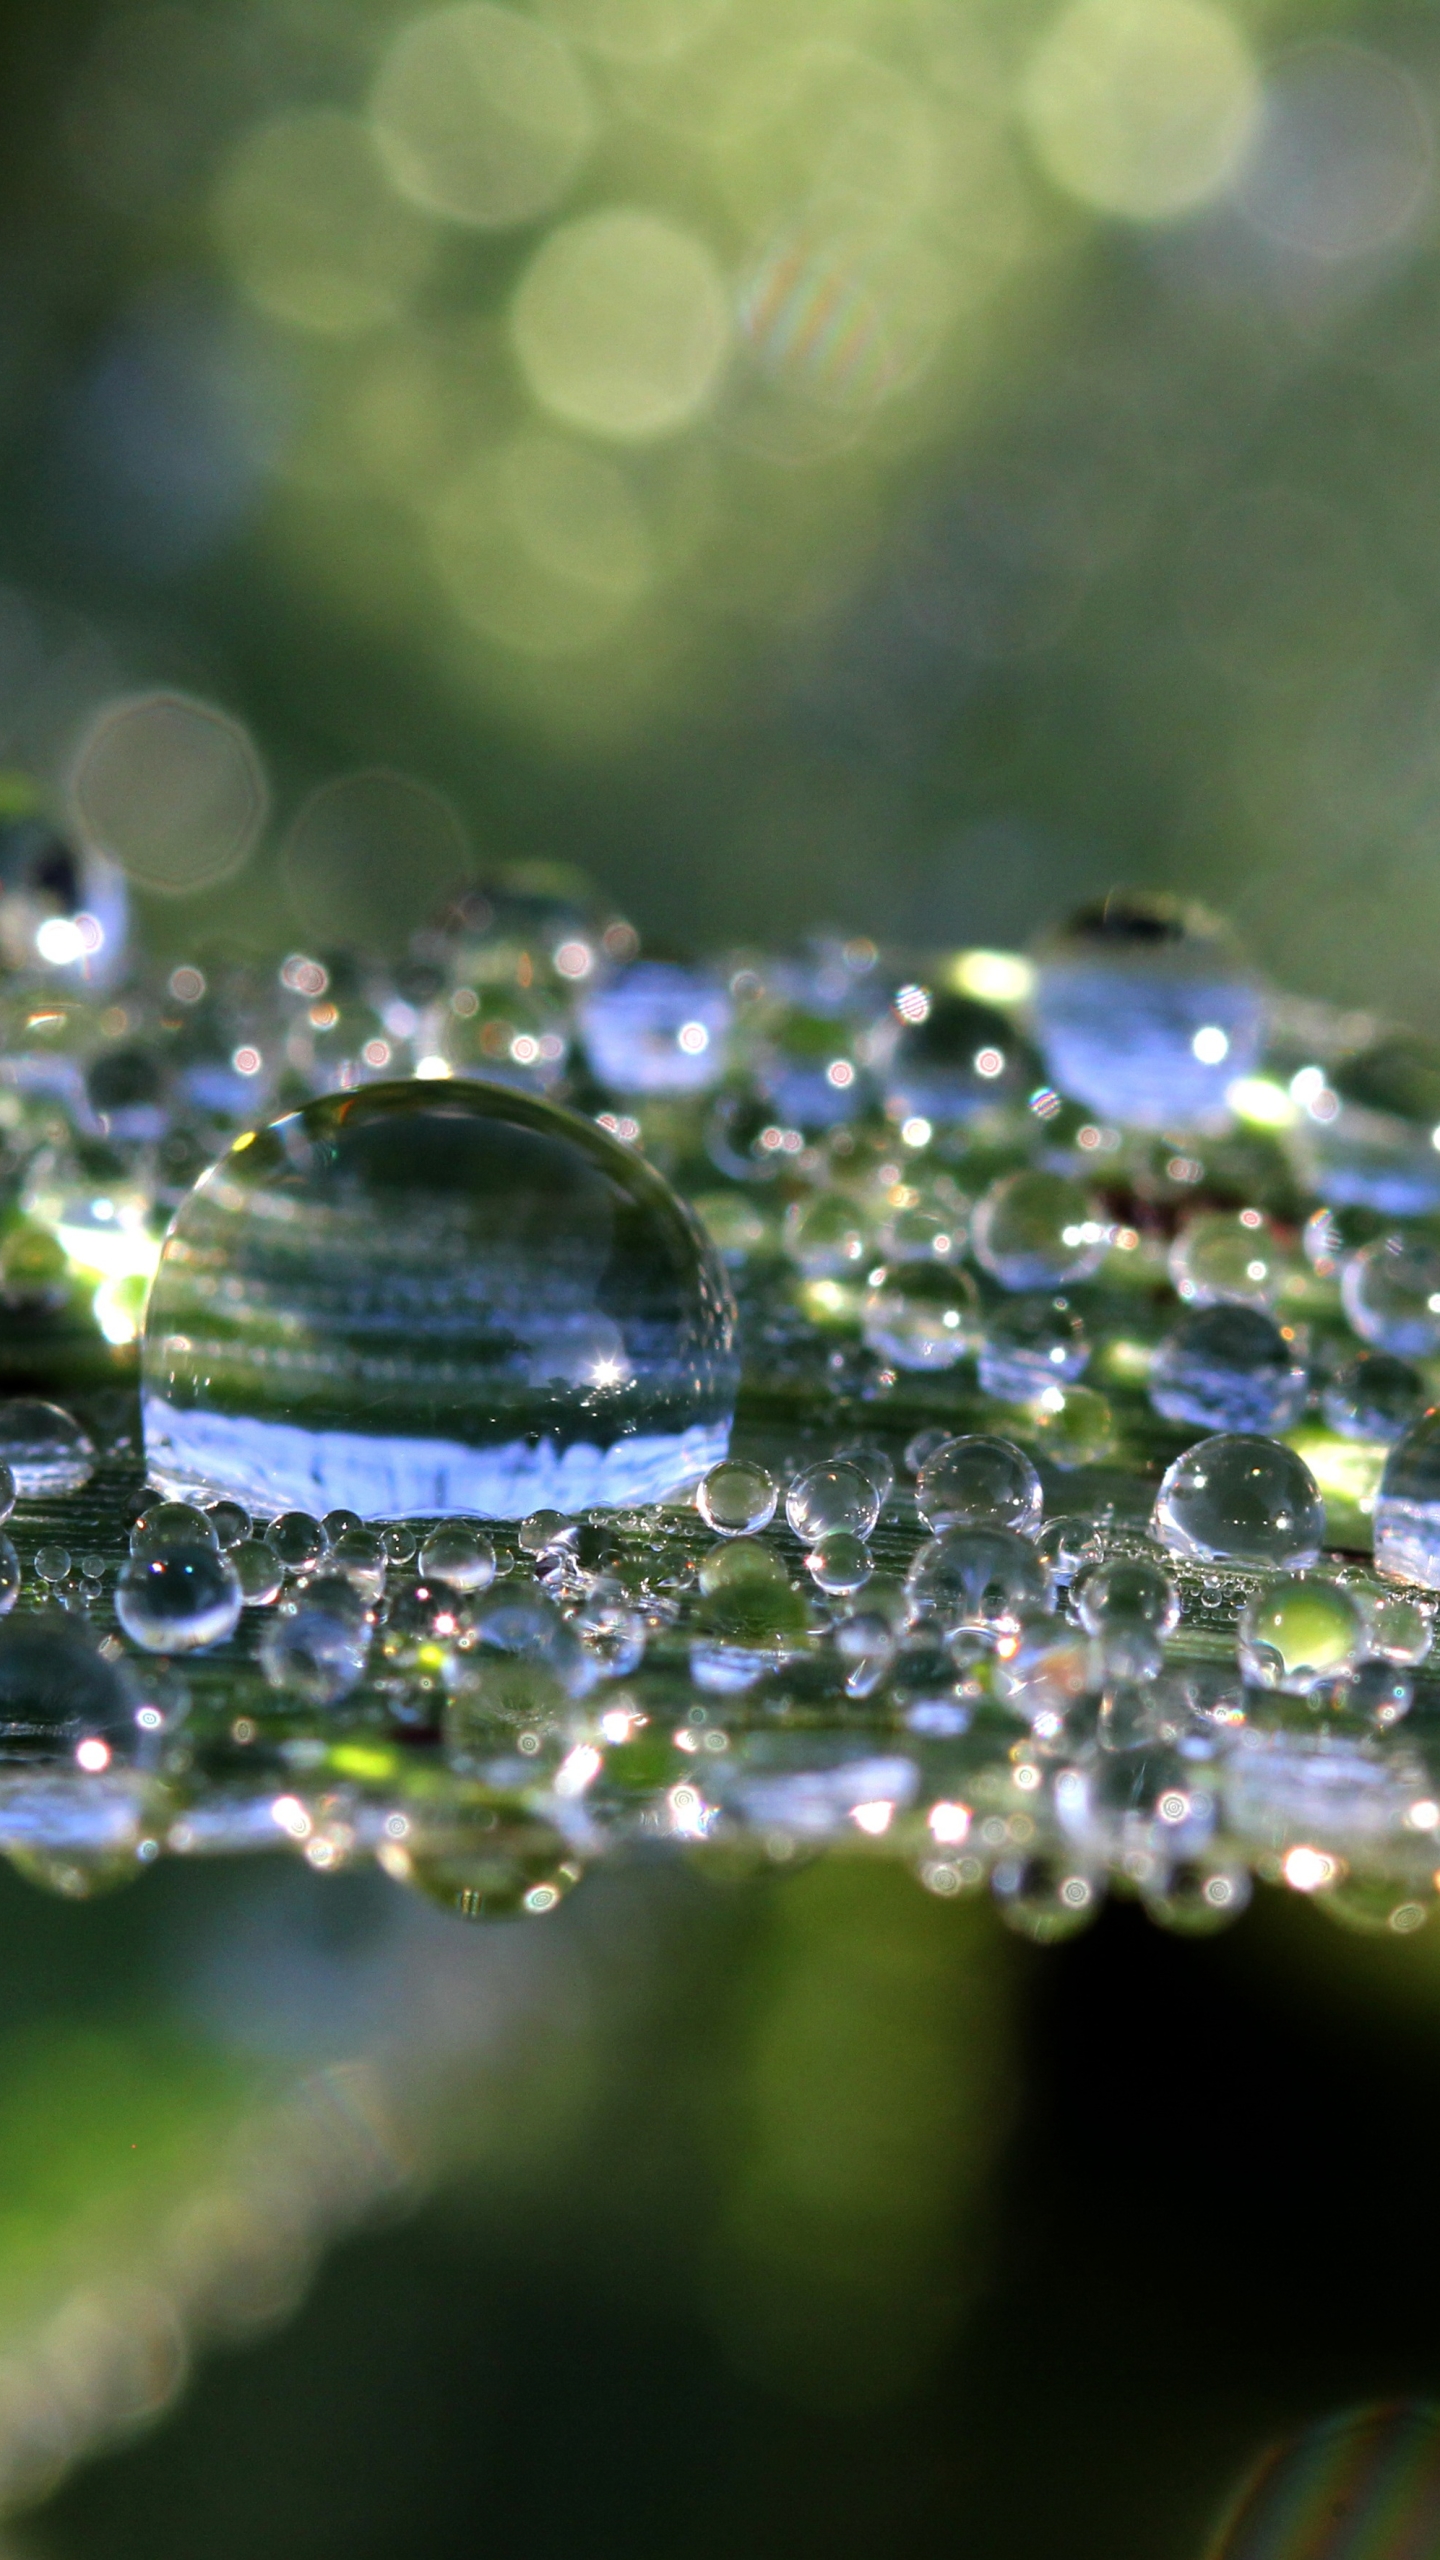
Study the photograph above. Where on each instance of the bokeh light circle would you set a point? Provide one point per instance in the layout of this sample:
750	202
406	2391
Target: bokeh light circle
171	789
1141	107
1343	155
313	231
481	115
371	853
543	546
622	325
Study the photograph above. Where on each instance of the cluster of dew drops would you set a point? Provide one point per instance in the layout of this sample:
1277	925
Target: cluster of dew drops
889	1643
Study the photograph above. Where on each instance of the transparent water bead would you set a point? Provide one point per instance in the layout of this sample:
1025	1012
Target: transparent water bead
922	1316
1299	1632
1145	1010
1230	1369
1407	1507
827	1236
1073	1427
230	1523
1127	1586
874	1463
950	1057
165	1525
361	1556
737	1498
839	1563
832	1495
979	1482
1239	1498
1365	1135
436	1297
44	1448
298	1539
178	1600
656	1028
1398	1627
1037	1230
317	1644
1045	1670
1031	1342
1374	1397
1228	1258
1391	1293
261	1573
457	1556
977	1578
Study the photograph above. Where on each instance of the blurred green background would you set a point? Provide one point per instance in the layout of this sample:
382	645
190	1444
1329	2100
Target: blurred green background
902	464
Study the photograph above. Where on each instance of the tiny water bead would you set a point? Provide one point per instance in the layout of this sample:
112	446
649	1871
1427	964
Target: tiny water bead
1146	1011
831	1495
458	1556
735	1499
1302	1630
165	1525
1374	1397
52	1564
338	1524
486	1305
260	1571
317	1644
1029	1343
1230	1369
1398	1627
44	1449
1227	1259
178	1601
1127	1586
360	1555
1239	1498
1407	1507
951	1058
1391	1294
921	1316
1037	1230
298	1540
232	1525
976	1481
839	1563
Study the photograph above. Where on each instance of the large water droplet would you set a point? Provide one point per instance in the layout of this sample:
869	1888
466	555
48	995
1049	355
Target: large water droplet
1229	1369
436	1298
1407	1507
1145	1010
1241	1497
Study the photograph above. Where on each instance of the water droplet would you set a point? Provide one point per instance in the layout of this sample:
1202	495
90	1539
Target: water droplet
920	1449
316	1645
1127	1586
839	1562
51	1564
179	1600
1381	1693
1036	1230
1391	1294
951	1057
486	1305
1364	1135
1398	1628
873	1462
977	1578
737	1498
1229	1369
1407	1507
483	1864
337	1524
1228	1258
612	1630
7	1492
1073	1427
167	1525
1145	1010
976	1481
1030	1343
544	1533
1047	1672
923	1235
1197	1896
1374	1397
261	1573
1239	1497
44	1448
298	1540
827	1236
230	1524
1046	1897
459	1557
918	1317
1301	1630
361	1556
831	1495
